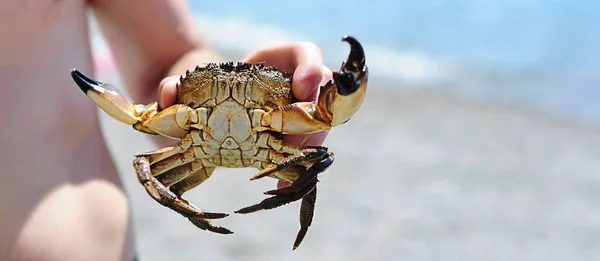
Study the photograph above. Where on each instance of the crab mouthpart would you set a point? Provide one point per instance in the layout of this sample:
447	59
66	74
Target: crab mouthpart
110	99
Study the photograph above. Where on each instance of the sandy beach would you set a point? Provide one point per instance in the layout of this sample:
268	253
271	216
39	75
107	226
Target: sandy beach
417	176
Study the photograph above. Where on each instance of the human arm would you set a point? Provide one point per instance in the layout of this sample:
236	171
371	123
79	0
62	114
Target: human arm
150	40
155	41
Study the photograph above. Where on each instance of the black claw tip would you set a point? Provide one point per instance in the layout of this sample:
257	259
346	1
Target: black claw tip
300	237
206	225
250	209
85	83
282	191
353	70
224	231
210	215
356	59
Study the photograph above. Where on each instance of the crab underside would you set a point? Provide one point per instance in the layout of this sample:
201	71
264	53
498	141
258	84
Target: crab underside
234	115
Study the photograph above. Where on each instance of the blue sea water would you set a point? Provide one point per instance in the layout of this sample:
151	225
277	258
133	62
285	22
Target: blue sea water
542	53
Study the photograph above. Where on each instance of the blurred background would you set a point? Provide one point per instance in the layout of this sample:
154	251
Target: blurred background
479	138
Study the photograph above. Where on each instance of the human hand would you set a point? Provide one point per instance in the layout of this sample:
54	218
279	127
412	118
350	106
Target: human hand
303	59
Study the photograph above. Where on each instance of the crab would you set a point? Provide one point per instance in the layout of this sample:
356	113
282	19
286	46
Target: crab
234	115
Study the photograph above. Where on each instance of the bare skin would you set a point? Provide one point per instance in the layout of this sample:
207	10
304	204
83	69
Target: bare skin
57	180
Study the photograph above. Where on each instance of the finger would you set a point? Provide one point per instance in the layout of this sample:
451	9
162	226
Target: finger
167	90
283	184
315	139
304	59
327	75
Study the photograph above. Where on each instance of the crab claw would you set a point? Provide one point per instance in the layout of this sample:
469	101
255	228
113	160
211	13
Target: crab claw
171	122
344	97
110	99
338	100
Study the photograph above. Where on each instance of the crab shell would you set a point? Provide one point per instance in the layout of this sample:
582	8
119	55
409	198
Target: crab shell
234	115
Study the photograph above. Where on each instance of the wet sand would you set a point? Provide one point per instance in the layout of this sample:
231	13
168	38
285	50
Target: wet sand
417	176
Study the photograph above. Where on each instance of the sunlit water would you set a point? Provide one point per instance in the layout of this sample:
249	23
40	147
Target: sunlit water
541	53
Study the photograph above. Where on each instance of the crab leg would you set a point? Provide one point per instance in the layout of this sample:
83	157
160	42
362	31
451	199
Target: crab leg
205	224
306	154
161	154
173	200
110	99
166	197
307	212
195	179
306	181
279	200
303	181
305	188
308	175
173	121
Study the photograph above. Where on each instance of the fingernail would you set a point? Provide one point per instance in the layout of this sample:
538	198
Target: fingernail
174	80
